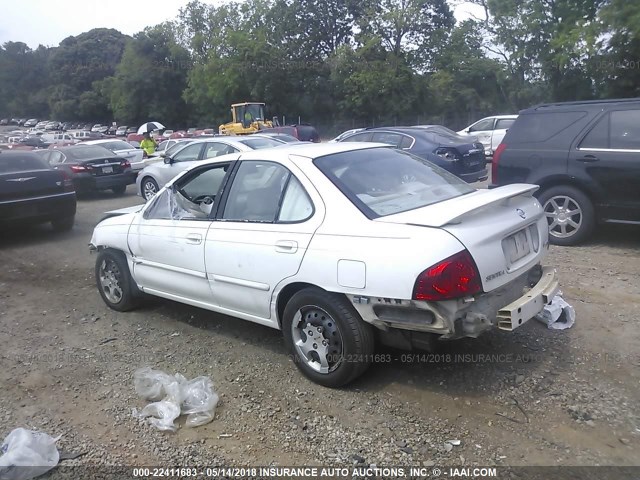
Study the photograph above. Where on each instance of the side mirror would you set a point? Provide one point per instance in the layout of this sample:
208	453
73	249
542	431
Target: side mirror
168	160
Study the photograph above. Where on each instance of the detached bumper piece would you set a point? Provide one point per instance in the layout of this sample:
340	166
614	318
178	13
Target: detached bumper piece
518	312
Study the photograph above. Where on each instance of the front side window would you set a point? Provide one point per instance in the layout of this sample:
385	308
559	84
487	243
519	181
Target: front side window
256	192
193	198
385	181
482	125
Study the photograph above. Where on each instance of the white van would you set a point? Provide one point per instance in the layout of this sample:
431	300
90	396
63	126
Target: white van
58	138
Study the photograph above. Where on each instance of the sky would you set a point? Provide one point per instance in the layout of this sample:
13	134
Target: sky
47	22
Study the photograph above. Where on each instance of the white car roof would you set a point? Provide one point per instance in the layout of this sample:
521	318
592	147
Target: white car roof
303	149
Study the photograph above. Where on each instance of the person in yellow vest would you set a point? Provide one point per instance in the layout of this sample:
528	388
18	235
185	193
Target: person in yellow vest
148	144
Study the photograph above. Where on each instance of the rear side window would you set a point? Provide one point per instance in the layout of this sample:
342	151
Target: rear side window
389	138
539	127
625	129
22	163
358	137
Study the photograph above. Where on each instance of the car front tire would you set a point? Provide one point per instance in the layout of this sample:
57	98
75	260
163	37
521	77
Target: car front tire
570	215
114	281
148	188
329	342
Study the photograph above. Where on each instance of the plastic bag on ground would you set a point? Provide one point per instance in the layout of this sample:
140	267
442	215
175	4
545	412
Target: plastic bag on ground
26	454
161	415
174	395
199	401
558	315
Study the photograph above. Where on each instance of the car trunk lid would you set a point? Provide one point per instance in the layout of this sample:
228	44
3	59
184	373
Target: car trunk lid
504	229
30	184
103	166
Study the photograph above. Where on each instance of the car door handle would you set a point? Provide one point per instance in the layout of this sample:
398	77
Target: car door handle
286	246
588	159
194	238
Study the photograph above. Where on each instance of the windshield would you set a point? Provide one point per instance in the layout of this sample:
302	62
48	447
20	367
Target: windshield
385	181
258	143
117	145
250	113
87	152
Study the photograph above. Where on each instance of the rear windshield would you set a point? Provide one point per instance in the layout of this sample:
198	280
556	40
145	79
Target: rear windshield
117	145
258	143
21	163
385	181
87	152
539	127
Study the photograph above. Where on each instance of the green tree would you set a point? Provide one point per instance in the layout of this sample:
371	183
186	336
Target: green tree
150	79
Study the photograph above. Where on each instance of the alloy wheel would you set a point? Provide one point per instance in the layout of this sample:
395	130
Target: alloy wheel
110	275
564	216
317	339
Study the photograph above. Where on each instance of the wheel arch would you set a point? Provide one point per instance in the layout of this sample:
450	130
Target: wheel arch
559	181
286	293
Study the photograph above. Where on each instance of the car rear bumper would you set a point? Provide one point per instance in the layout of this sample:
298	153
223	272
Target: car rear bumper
38	209
477	176
506	308
87	182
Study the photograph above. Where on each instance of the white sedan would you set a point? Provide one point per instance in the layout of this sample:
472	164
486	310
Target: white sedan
122	149
339	246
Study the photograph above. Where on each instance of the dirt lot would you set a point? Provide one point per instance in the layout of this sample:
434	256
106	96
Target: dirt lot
545	398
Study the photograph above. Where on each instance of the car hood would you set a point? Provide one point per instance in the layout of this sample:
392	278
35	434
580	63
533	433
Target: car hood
124	211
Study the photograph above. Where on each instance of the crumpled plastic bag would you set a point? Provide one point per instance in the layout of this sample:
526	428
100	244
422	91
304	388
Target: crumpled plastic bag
173	395
26	454
558	315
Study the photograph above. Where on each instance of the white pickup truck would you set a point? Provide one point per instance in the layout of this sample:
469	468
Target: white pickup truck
490	131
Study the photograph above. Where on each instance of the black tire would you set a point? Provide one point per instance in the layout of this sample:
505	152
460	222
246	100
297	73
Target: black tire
145	189
119	190
114	262
577	227
63	224
354	337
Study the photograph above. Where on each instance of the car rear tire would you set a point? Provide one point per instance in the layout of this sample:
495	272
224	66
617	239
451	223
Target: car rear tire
329	342
570	214
63	224
119	190
149	188
114	281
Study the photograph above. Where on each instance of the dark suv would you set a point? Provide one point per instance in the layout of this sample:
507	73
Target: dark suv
586	158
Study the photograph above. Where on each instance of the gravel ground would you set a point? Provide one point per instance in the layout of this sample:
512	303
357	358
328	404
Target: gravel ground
532	397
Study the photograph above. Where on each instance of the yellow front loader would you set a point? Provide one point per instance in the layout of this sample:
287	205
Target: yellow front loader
247	118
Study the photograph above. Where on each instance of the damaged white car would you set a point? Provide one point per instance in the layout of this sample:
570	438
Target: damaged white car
338	245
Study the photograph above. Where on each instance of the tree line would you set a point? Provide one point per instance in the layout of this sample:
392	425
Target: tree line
335	63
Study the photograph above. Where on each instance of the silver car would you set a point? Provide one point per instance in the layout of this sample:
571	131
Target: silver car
122	149
156	175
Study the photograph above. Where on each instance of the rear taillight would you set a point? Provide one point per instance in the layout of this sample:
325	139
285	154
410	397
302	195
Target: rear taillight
67	183
450	154
125	164
494	162
78	168
455	277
